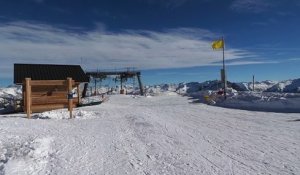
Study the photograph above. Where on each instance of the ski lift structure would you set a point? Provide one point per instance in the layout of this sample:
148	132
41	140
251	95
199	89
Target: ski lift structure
120	76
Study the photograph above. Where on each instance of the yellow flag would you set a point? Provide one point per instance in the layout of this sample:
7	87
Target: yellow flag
218	44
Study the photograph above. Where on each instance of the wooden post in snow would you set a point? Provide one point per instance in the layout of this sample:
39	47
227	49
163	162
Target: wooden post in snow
28	96
70	96
78	93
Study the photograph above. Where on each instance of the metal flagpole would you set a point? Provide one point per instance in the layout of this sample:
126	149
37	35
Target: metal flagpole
224	68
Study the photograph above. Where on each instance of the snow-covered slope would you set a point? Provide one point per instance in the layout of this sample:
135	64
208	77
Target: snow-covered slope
159	135
192	87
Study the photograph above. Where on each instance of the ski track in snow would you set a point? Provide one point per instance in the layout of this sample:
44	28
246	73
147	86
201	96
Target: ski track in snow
158	135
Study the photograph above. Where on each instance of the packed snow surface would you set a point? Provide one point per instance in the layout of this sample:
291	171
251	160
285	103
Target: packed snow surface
164	134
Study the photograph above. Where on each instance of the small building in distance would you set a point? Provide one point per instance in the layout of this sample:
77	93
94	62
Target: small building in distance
48	85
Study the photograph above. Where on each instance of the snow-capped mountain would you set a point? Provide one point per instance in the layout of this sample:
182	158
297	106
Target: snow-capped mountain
258	86
288	86
292	86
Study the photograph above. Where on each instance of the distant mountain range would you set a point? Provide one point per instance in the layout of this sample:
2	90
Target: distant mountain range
288	86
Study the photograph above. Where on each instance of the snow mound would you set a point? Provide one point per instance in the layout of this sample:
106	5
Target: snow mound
164	89
92	99
192	87
64	114
262	101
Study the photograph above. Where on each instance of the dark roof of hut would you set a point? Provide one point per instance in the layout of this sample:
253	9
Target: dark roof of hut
48	72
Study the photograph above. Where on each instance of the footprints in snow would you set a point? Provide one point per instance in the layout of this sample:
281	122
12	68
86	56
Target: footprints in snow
30	156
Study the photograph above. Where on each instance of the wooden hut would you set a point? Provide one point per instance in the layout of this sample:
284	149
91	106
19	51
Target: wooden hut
47	87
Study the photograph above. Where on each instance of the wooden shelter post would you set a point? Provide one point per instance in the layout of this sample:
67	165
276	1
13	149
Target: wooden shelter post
28	96
78	93
70	96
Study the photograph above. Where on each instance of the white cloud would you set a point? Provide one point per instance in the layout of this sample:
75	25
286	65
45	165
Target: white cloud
293	59
22	42
236	63
251	6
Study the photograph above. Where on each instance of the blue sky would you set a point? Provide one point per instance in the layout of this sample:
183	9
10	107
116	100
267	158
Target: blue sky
169	40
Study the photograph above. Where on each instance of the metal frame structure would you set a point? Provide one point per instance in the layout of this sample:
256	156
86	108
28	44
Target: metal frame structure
123	75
